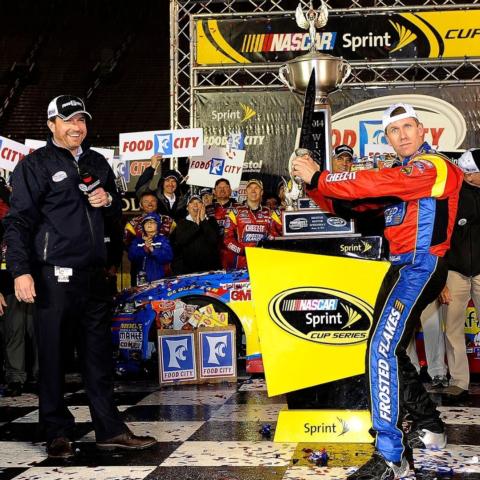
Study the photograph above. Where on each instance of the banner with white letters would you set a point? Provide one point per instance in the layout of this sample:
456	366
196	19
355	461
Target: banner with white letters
11	153
216	163
169	143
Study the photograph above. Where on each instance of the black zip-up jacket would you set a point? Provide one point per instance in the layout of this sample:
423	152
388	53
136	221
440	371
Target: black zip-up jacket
464	254
177	211
50	221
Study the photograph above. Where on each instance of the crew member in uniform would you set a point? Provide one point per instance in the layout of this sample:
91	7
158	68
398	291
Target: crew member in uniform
249	224
420	208
62	196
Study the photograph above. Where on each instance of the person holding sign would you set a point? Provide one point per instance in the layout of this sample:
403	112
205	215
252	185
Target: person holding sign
170	200
420	200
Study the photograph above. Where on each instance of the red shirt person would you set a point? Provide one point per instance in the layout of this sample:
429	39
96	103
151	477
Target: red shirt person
246	225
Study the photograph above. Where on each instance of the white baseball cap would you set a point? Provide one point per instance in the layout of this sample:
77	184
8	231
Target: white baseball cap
469	161
387	117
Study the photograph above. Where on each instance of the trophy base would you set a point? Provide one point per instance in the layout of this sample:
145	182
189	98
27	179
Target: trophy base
323	426
314	222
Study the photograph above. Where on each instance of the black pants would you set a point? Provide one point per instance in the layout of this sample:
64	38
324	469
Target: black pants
78	310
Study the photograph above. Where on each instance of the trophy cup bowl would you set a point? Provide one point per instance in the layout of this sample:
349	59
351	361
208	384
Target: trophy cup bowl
330	73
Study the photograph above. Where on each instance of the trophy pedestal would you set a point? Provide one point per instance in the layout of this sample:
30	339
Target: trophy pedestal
314	222
323	426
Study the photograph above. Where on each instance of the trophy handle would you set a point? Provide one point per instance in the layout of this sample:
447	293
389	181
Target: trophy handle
347	70
284	76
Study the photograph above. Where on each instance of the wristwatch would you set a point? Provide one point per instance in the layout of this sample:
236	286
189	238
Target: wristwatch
110	200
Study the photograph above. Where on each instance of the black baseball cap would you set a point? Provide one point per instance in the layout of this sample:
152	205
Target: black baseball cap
222	180
65	107
341	149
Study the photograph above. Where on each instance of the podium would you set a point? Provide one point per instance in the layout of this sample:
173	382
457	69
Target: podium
314	314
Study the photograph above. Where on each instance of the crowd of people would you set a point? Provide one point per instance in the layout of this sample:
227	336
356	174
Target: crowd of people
63	245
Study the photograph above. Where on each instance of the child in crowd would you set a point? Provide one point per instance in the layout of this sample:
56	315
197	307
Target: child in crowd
152	252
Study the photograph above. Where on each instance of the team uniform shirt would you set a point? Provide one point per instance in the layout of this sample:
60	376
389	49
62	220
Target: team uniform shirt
245	227
419	200
220	212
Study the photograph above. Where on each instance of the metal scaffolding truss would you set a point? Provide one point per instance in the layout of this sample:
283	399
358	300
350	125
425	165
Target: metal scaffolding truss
186	78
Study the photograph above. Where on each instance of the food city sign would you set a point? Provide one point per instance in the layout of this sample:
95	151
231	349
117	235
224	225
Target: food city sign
322	315
11	153
169	143
214	164
360	126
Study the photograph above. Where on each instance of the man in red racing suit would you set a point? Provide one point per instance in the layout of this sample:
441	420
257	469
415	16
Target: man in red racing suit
419	202
248	224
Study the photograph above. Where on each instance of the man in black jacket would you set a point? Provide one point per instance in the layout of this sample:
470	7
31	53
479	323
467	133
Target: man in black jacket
170	200
195	240
463	279
62	196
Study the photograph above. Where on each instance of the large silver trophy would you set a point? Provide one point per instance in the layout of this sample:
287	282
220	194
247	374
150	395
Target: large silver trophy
314	75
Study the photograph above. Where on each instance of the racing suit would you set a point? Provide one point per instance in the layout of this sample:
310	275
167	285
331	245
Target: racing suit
245	227
422	197
219	212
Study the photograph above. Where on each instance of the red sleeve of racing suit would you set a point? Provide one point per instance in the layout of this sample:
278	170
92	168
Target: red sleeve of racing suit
275	229
429	175
230	237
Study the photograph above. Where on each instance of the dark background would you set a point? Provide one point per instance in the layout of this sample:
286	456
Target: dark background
115	55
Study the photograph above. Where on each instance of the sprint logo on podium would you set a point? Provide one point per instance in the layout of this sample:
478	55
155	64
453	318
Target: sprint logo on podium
177	357
217	353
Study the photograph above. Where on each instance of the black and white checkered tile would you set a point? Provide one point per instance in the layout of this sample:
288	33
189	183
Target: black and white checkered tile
211	432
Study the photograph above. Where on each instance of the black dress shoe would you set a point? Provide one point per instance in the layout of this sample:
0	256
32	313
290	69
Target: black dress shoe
127	441
60	447
14	389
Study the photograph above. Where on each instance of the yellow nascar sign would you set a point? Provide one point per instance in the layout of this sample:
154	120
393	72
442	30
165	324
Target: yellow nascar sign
313	313
426	34
331	426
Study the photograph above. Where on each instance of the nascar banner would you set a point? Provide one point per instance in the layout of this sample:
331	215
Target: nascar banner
169	143
313	315
214	164
11	153
432	34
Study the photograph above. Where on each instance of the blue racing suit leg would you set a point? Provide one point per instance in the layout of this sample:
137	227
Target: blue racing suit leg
395	386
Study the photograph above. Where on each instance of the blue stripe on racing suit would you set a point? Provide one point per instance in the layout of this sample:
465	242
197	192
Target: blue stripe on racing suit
385	389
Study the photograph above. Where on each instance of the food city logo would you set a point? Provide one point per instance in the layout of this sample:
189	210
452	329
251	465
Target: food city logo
243	114
217	354
360	126
322	315
178	357
142	145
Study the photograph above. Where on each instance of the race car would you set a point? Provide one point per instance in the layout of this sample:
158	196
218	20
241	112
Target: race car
182	302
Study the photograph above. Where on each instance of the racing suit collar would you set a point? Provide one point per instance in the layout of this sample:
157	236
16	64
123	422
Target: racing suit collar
424	148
